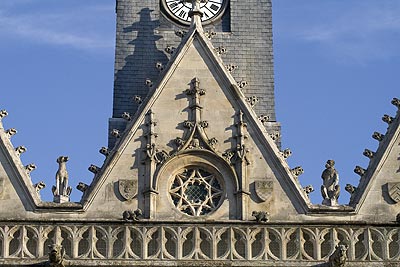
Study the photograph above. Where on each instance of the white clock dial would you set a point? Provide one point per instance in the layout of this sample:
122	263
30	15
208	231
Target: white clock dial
179	9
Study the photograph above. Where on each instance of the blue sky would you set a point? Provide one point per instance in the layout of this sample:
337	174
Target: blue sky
337	68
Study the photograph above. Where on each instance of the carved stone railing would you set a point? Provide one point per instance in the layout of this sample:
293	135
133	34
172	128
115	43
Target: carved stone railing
217	242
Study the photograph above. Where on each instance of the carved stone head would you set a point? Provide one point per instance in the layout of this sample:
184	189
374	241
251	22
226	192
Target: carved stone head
56	255
62	159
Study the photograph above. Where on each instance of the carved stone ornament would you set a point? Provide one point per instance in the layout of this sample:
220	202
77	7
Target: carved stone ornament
127	189
394	191
56	255
261	216
339	256
264	189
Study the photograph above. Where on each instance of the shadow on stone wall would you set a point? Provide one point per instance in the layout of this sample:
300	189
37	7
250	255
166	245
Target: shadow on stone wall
139	65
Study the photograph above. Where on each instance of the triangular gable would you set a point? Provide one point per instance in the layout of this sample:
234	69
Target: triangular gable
378	182
196	41
16	189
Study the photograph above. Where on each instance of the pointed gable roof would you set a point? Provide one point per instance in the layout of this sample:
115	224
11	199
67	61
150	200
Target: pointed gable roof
197	39
15	173
384	165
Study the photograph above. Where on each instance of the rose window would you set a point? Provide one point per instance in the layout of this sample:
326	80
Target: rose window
196	192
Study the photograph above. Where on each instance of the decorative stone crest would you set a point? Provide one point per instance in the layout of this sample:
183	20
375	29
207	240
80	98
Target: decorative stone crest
127	189
264	189
394	191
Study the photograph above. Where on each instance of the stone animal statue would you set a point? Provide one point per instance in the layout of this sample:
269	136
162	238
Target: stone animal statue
339	256
330	188
56	255
61	187
132	216
261	216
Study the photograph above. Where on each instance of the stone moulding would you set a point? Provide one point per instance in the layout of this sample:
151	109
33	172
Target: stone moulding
246	244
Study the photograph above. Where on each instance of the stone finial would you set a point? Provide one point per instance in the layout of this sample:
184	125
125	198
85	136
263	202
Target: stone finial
170	49
39	186
132	216
388	119
396	102
3	114
61	191
30	168
297	171
126	116
378	136
116	133
104	151
368	153
339	256
359	170
56	255
286	153
330	188
261	216
94	169
20	150
82	187
11	132
159	66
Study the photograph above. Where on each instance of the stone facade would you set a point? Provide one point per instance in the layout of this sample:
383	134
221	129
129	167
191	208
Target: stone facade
195	178
143	33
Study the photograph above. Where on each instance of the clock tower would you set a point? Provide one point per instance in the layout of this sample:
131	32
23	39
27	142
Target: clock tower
148	32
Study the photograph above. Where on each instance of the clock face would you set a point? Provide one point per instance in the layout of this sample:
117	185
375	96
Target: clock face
179	9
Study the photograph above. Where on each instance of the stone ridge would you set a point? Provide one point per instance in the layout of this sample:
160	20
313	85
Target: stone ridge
143	33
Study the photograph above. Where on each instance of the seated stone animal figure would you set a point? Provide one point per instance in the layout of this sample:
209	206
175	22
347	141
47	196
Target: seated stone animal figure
339	256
